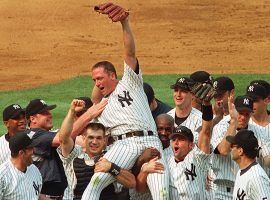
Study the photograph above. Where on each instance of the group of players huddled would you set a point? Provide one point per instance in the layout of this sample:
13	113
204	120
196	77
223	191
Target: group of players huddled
124	143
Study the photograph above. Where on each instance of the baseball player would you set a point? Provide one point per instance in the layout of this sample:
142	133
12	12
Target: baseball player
14	120
79	166
19	178
127	115
184	114
223	167
251	181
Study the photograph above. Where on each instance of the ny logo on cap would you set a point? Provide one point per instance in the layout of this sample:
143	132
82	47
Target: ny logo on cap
15	106
251	88
215	84
31	134
181	80
246	101
43	102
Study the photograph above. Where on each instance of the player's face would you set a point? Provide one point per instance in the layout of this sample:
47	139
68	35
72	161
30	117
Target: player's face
182	98
27	156
222	101
104	80
43	120
17	124
164	129
95	142
181	147
243	118
235	151
259	106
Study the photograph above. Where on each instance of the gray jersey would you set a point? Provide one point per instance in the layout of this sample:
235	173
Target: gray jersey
252	183
4	149
128	108
187	178
17	185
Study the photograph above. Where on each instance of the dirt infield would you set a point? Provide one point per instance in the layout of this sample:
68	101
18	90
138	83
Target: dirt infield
49	41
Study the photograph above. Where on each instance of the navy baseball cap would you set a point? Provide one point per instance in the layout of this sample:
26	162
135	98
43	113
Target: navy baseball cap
202	77
222	84
22	140
243	103
183	131
182	83
37	106
256	92
12	111
245	139
263	83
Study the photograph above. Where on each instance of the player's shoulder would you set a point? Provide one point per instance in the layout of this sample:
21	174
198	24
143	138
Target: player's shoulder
195	113
172	112
5	168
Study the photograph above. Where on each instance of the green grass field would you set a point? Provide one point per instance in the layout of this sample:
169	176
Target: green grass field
62	93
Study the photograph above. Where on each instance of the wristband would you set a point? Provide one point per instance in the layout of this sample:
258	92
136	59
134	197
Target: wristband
115	170
207	113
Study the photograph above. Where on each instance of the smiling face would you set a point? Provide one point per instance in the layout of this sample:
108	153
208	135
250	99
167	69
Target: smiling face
181	147
182	98
104	80
243	118
95	142
42	120
17	124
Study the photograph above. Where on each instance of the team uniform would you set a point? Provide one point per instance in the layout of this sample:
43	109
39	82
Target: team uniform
128	111
161	108
224	168
4	149
18	185
193	121
79	174
252	183
187	178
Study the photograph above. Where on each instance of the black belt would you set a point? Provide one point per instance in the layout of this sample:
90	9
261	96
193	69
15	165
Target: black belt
132	134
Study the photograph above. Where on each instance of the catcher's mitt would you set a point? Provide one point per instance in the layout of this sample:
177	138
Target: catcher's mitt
203	91
114	12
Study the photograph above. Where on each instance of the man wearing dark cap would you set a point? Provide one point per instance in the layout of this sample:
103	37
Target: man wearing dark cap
200	77
14	120
224	87
157	107
251	180
183	113
223	167
19	178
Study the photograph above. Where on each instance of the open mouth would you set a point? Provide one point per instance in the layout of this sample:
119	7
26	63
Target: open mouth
176	149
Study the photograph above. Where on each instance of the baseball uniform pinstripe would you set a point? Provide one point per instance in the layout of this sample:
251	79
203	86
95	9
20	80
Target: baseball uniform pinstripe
128	111
252	183
264	128
187	178
17	185
224	167
4	149
193	121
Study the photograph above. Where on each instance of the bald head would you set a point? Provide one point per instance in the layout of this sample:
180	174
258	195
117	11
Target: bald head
165	125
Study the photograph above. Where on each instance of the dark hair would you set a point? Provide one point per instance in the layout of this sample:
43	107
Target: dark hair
106	65
96	126
148	90
14	154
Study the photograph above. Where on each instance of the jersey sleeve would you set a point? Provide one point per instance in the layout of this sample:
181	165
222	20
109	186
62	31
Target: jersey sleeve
218	134
265	147
131	78
76	151
202	158
260	188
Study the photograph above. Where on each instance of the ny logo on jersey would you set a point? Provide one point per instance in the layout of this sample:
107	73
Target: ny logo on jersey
251	88
36	187
191	173
15	106
246	101
126	98
240	194
31	134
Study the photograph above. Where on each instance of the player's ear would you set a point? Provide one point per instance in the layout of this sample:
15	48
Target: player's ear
113	76
6	123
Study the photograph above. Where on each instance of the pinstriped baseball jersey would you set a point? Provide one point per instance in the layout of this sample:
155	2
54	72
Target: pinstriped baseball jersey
193	121
264	128
252	183
17	185
128	108
187	178
224	167
4	149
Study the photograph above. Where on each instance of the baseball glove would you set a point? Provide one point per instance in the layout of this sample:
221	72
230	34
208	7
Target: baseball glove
114	12
203	91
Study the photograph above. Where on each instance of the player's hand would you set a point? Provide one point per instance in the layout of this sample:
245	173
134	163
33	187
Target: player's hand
103	165
97	109
77	105
232	111
149	154
153	166
115	13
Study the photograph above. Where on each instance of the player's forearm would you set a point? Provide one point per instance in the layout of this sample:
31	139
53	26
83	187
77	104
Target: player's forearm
224	147
126	178
129	45
66	127
141	182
